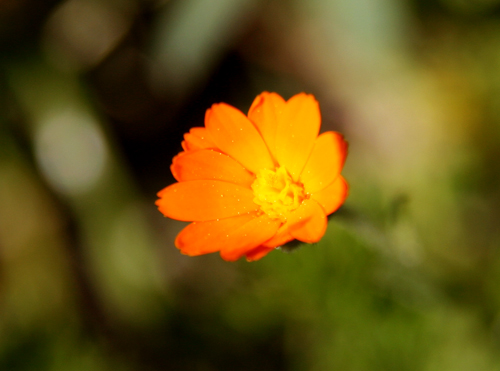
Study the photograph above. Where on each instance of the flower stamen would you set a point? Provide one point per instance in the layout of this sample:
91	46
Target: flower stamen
276	193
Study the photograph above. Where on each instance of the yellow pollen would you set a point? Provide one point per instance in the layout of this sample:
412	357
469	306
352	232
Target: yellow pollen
276	193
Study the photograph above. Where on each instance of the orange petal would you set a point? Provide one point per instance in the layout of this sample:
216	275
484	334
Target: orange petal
325	163
258	253
197	138
202	200
298	127
207	164
282	237
200	238
308	222
248	236
333	196
264	113
235	135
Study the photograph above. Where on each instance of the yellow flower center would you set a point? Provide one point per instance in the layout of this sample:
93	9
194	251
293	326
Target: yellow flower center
276	193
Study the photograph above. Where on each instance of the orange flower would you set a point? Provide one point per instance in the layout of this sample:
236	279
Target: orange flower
251	184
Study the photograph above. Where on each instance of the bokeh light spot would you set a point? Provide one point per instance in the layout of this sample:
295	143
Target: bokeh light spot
71	152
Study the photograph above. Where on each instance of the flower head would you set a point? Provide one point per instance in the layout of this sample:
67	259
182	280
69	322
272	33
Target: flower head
252	183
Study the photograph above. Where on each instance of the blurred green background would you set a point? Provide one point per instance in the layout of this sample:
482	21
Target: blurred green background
94	98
